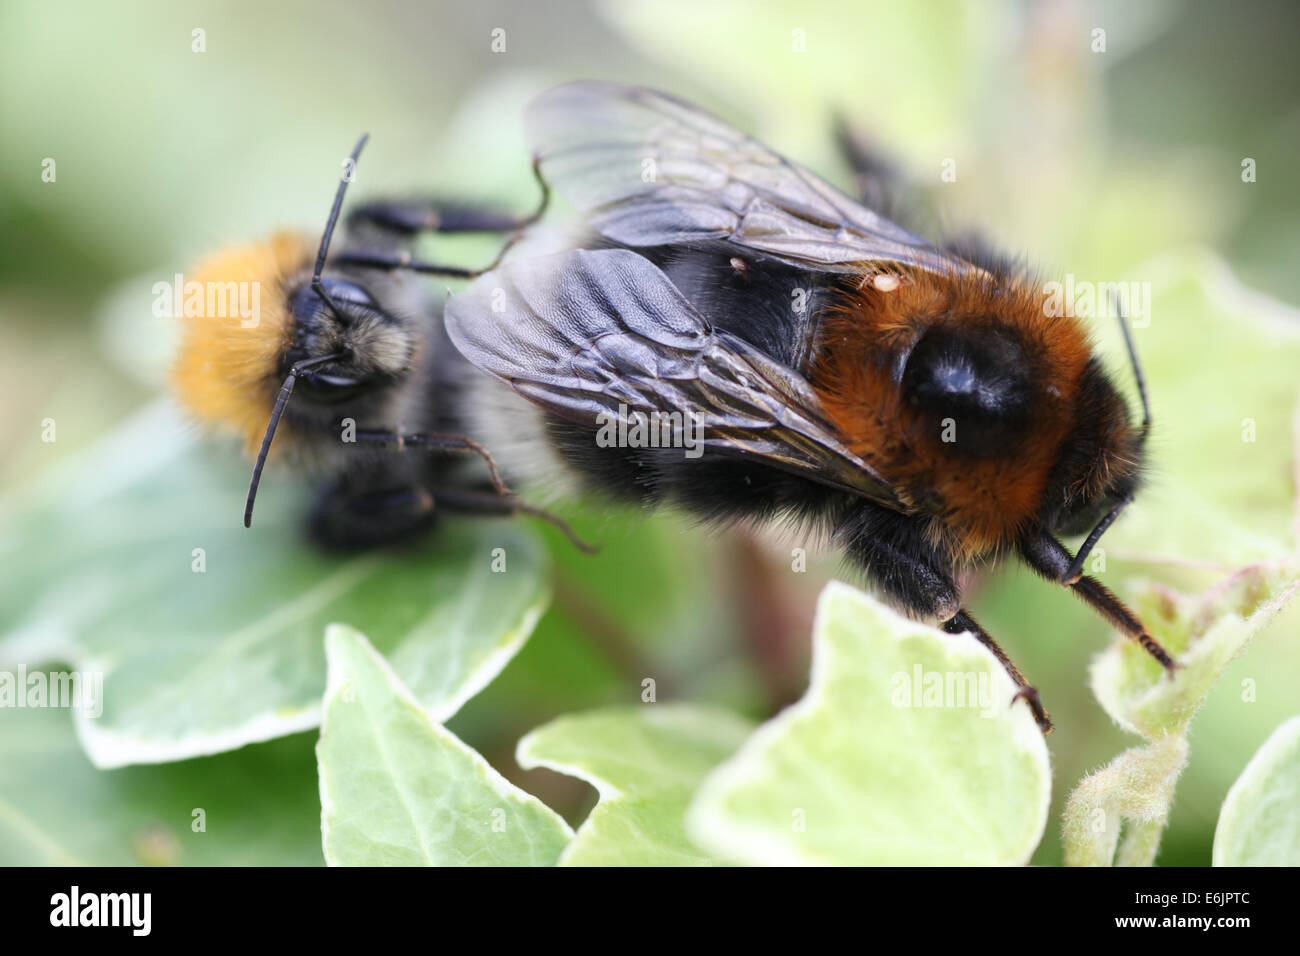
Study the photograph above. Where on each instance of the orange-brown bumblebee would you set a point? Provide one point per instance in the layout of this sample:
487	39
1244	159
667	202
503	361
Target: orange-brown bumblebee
915	400
350	365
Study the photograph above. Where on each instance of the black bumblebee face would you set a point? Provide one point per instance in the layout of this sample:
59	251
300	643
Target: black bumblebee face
374	346
972	386
1100	462
1082	513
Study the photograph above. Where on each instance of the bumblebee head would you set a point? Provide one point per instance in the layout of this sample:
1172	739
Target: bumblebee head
1099	465
322	339
233	362
343	344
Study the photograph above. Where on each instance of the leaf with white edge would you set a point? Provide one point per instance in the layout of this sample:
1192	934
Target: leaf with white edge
398	789
906	749
645	762
132	562
255	807
1259	824
1203	632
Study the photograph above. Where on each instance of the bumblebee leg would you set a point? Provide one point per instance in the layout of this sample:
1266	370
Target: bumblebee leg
405	262
876	178
410	217
905	565
467	502
407	219
962	623
1049	558
400	441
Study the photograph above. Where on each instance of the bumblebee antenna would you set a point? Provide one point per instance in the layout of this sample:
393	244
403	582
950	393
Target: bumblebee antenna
1076	566
346	178
1133	361
318	287
285	391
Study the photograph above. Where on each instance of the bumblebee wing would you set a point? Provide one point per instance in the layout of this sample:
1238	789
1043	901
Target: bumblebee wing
594	336
648	169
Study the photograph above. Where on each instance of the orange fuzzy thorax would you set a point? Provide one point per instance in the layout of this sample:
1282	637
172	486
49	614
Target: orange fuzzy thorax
225	373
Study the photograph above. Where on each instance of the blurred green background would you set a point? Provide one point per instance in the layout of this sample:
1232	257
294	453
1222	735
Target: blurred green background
1090	162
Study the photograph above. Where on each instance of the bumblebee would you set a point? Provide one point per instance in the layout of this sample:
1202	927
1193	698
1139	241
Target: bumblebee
347	362
914	400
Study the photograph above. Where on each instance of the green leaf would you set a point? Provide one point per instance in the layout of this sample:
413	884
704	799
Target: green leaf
905	750
1223	494
132	562
1259	824
645	762
1131	794
398	789
256	807
1203	632
1118	814
1227	457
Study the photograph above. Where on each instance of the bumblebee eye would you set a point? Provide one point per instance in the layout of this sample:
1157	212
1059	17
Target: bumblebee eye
307	304
340	289
325	388
317	331
973	387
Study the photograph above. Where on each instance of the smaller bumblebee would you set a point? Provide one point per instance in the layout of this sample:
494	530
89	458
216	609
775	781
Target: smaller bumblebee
349	364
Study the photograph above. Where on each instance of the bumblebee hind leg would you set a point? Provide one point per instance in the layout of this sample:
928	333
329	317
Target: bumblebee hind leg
469	502
916	576
877	180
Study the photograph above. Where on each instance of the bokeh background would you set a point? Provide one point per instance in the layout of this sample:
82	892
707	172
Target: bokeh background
1087	161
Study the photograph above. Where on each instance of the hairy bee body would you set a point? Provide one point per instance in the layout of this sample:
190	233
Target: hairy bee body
800	356
916	401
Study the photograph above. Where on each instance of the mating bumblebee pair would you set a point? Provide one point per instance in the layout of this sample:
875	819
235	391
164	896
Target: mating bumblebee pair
916	402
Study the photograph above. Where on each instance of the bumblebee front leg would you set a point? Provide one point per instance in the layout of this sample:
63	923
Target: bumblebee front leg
1049	558
409	217
406	219
912	573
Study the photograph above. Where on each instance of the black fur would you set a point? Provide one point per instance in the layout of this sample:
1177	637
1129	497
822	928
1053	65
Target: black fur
1076	497
978	378
755	303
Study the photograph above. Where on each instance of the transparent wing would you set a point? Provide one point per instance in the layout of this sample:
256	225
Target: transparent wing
648	169
588	334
